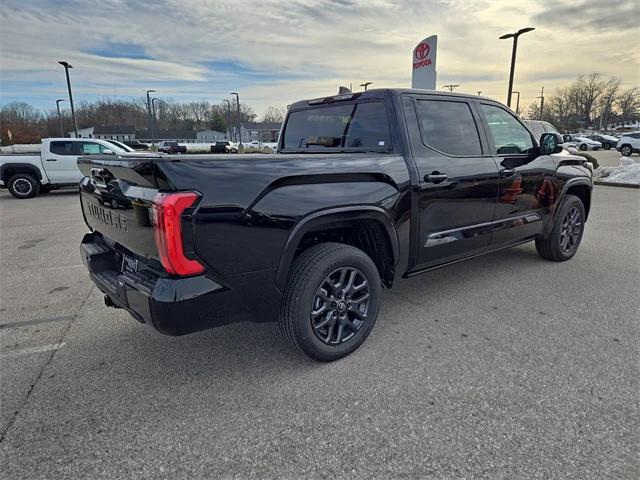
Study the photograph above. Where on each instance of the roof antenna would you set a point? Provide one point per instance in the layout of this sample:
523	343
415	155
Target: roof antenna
343	91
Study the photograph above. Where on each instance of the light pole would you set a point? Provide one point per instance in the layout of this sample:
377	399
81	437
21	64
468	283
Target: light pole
149	112
228	122
60	116
67	66
153	115
513	57
517	103
365	85
450	87
239	126
541	97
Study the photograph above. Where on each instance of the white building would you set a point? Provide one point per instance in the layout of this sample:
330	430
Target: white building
107	132
206	136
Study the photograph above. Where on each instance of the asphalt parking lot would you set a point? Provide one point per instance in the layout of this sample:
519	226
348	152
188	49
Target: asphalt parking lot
503	367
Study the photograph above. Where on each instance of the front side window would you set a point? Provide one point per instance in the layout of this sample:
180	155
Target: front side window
347	126
509	135
448	127
90	148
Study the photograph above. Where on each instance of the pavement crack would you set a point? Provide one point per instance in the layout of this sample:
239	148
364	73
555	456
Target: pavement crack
64	333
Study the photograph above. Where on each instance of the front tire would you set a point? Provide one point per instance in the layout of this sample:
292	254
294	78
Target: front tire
565	238
23	185
331	301
583	147
625	151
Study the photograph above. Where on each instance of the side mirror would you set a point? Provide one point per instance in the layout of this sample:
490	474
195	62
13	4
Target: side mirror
106	151
550	143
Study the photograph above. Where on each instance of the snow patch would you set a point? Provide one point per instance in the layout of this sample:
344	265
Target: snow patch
627	172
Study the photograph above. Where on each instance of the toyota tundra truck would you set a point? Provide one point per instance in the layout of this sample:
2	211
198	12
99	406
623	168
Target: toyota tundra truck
366	188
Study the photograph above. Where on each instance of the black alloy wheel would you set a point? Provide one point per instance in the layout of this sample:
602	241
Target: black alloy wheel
571	230
340	306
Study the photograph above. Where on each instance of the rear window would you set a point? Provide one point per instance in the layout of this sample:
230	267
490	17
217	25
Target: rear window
346	126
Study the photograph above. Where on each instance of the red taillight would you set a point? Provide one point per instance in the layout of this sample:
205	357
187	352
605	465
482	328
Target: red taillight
167	211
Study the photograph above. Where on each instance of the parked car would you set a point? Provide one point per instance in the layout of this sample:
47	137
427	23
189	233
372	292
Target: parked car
538	127
607	141
366	188
629	143
121	145
224	147
583	143
171	147
26	175
136	144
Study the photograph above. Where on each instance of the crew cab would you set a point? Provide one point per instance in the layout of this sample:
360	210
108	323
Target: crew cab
171	147
223	147
25	175
365	189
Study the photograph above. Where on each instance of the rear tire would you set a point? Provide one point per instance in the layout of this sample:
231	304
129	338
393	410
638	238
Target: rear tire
331	301
607	146
23	185
565	238
583	147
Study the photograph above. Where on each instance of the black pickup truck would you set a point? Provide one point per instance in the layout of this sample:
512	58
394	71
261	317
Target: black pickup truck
365	188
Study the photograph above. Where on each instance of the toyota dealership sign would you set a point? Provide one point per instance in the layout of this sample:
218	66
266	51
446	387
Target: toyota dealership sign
424	63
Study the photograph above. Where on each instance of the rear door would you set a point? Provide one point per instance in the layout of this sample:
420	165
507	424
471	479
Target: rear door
60	161
458	178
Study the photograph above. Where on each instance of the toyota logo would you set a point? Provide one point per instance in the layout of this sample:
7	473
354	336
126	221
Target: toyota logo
422	51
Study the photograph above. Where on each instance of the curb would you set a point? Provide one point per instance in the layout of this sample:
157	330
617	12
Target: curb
616	184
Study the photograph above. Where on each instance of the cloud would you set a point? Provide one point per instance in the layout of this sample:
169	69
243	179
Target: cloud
275	52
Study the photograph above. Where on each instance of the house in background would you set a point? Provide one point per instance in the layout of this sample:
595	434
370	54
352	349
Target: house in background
260	131
208	136
180	136
107	132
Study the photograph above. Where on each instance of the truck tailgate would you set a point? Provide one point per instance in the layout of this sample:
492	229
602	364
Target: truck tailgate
117	200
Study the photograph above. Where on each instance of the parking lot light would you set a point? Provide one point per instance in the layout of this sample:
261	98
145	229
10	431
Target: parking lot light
60	116
513	56
239	125
67	66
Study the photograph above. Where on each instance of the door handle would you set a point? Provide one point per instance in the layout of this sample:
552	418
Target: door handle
507	172
435	177
52	159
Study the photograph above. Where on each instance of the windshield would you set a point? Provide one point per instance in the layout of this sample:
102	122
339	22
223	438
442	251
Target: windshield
346	126
122	146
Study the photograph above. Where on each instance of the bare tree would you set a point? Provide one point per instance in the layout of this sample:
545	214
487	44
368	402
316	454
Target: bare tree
628	104
274	114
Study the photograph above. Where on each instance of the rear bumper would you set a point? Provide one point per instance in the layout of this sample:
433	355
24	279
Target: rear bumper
173	306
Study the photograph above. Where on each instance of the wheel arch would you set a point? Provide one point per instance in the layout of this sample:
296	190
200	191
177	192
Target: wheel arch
374	230
10	169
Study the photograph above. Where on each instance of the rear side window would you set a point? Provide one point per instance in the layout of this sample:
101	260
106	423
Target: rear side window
345	126
537	127
64	148
448	127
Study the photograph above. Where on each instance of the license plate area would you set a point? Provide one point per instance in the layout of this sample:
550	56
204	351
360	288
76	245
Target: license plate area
129	264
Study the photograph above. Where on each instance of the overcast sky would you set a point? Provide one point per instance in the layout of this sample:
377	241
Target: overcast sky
275	52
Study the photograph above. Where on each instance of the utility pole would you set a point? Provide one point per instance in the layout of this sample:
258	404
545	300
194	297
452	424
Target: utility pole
60	116
67	66
365	85
149	127
450	87
517	103
513	57
541	97
239	125
228	122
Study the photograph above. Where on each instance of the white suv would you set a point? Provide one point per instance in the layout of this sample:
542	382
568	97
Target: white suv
629	143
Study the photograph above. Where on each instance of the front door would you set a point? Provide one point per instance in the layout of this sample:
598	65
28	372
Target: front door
527	187
458	178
